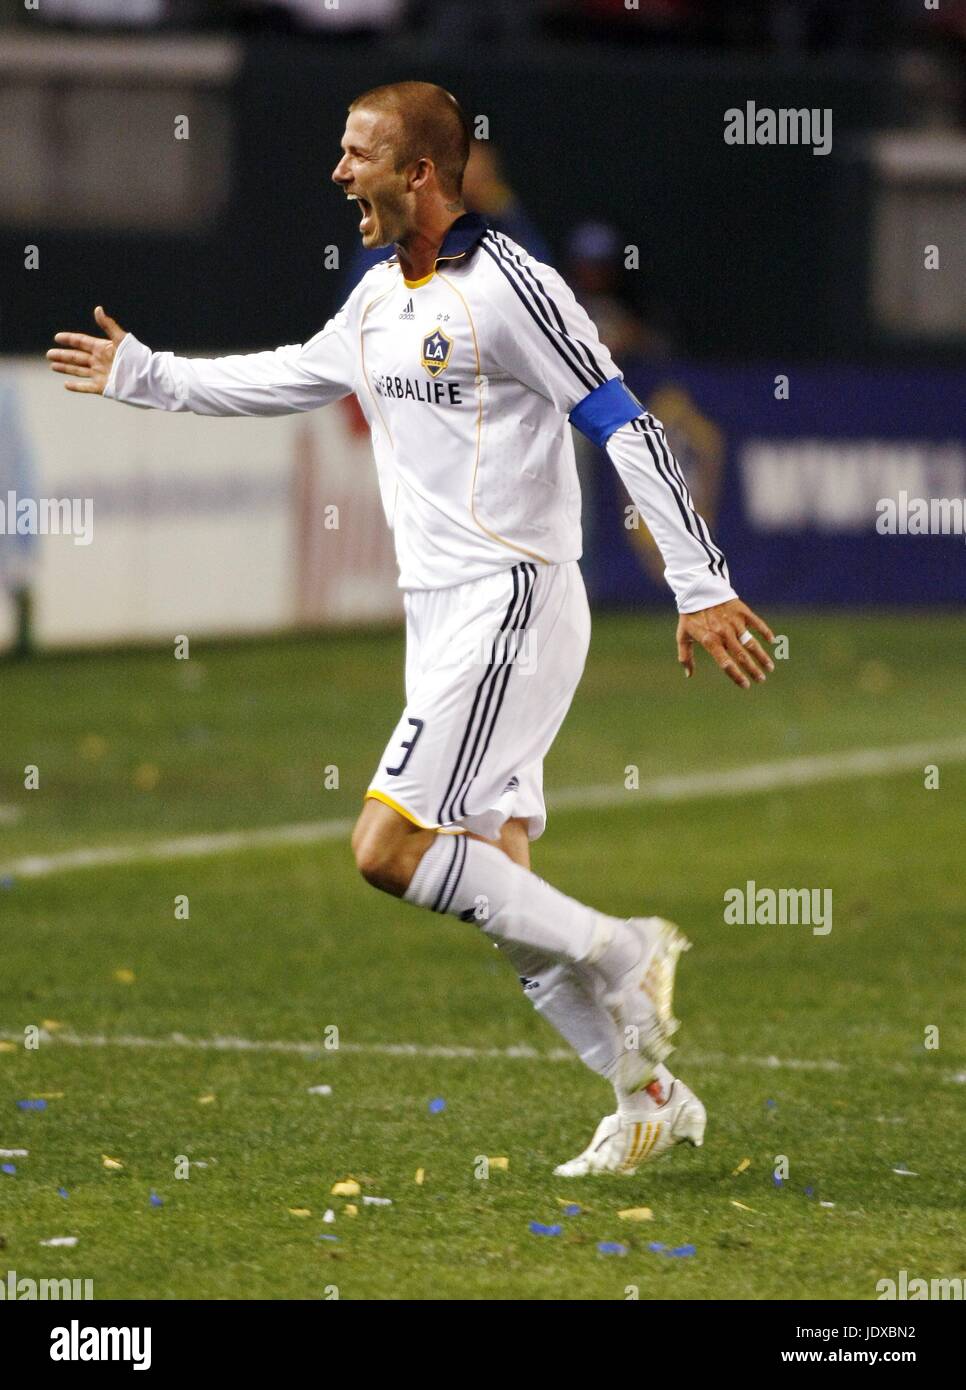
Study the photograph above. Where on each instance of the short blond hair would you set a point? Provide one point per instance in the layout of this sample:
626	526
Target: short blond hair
431	125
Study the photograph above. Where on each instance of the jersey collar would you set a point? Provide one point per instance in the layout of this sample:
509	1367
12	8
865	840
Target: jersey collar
462	238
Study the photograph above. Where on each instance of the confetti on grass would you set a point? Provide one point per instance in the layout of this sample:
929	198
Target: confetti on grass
377	1201
14	1153
299	1211
681	1252
420	1177
437	1106
611	1247
155	1200
502	1163
905	1172
67	1241
537	1228
124	976
347	1188
9	1168
111	1162
38	1104
320	1090
741	1206
636	1214
743	1167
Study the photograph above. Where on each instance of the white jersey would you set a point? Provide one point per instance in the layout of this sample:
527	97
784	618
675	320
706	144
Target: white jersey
468	380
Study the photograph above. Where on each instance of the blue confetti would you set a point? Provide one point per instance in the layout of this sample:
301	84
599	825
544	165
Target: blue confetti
31	1105
683	1251
777	1180
538	1229
10	1168
326	1237
771	1104
435	1106
156	1201
572	1210
809	1191
611	1247
62	1192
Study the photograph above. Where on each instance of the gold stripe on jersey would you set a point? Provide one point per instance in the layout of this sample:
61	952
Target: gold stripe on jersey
493	535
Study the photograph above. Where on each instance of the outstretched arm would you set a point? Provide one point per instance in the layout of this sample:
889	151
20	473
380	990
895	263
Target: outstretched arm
288	379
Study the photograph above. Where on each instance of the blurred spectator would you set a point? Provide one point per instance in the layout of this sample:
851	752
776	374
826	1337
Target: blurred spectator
349	16
596	274
17	480
115	14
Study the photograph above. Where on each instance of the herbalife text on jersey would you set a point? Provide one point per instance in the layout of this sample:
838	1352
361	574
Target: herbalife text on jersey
48	516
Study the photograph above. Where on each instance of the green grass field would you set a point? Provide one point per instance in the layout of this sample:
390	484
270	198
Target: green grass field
283	942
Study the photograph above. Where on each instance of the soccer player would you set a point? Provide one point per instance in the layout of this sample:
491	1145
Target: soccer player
471	360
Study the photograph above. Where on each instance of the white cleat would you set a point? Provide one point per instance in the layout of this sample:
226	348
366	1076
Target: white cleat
620	1145
642	1001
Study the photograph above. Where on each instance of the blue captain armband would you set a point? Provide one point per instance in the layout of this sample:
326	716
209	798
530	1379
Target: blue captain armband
606	408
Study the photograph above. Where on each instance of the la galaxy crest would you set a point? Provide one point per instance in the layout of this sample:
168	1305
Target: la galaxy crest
437	347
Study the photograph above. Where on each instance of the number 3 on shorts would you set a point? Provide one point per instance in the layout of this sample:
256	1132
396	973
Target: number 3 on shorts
418	726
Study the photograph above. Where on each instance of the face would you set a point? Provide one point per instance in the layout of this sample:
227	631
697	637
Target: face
367	173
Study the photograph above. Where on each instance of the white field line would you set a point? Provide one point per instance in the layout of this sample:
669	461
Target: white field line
440	1051
738	781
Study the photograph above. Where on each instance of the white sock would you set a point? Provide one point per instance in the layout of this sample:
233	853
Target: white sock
568	998
478	883
647	1098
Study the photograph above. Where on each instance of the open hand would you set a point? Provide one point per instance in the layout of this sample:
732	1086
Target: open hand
89	358
720	631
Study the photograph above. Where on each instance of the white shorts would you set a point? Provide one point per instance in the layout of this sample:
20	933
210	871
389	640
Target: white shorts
491	669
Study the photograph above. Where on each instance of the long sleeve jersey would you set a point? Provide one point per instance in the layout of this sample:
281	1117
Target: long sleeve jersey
468	379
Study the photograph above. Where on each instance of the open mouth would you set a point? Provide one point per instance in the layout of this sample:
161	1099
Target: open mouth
365	222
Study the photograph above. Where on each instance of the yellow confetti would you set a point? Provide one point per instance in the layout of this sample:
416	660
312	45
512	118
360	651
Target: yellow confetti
146	777
636	1214
8	1047
50	1025
299	1211
741	1206
348	1188
50	1095
351	1209
502	1163
572	1202
743	1167
420	1176
207	1100
111	1162
124	976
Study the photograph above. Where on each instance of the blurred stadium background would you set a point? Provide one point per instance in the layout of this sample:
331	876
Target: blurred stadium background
782	312
710	269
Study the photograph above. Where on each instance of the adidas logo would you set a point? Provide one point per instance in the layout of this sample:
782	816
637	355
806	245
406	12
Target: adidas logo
408	312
